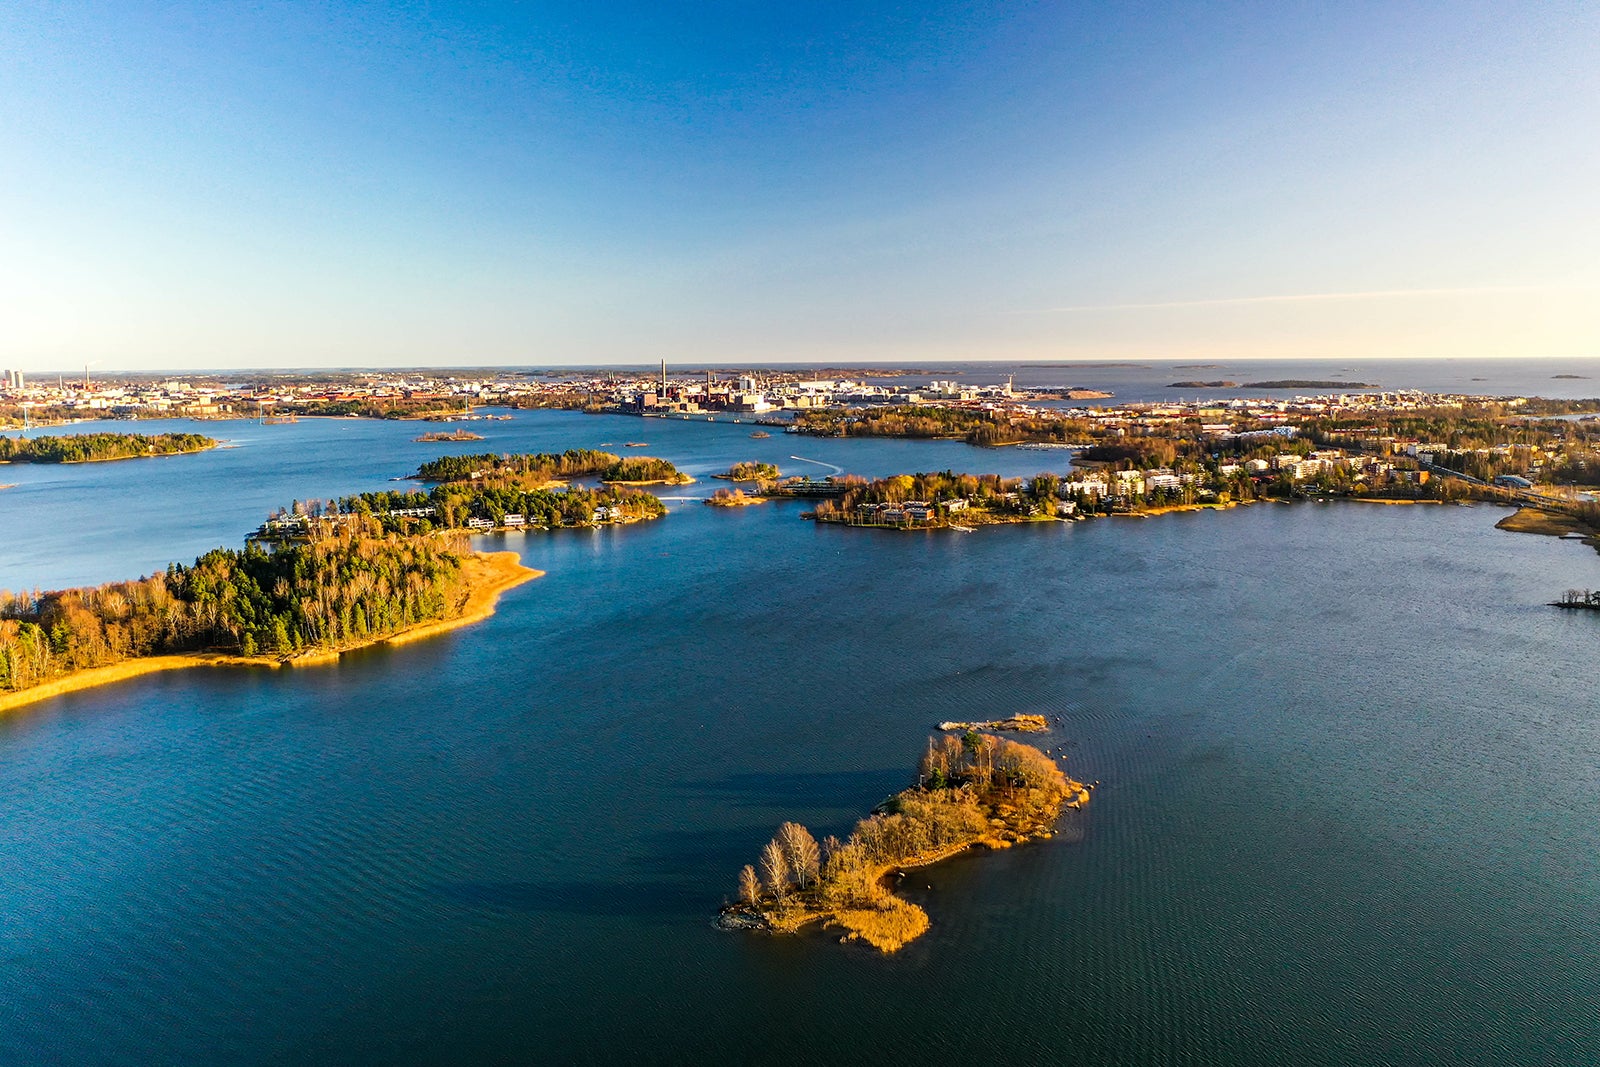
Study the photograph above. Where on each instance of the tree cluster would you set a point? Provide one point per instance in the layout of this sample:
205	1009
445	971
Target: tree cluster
85	447
976	427
988	492
528	468
966	783
375	408
643	469
751	471
454	503
354	587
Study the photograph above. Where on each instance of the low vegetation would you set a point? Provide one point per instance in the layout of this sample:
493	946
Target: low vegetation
450	435
89	447
975	789
732	498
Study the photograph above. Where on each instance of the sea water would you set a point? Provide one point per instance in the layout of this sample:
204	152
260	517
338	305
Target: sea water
1348	764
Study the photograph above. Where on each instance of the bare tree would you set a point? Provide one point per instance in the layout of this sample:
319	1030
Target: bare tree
749	885
774	869
801	852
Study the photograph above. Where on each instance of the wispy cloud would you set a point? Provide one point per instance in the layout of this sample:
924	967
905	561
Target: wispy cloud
1314	298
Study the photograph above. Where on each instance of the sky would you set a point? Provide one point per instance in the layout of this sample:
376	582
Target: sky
318	183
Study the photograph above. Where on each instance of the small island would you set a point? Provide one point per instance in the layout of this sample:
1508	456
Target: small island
532	470
750	471
524	469
452	435
1579	599
1022	724
974	790
100	447
1219	384
644	470
733	498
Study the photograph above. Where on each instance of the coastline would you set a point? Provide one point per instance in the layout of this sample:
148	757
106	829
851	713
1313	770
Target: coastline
490	575
106	459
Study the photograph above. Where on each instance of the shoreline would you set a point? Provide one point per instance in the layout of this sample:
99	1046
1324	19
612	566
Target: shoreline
855	917
495	572
105	459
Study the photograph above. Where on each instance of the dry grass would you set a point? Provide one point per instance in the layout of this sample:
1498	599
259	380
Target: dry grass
488	574
885	928
1539	521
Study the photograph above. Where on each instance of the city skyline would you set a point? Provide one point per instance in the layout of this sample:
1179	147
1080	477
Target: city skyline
356	186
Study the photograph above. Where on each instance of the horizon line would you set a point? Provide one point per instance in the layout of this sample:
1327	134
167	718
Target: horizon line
1296	298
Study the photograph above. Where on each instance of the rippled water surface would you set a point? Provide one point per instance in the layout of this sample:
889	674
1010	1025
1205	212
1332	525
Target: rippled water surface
1347	816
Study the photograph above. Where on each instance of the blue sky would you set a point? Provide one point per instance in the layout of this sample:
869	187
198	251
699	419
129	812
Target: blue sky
337	184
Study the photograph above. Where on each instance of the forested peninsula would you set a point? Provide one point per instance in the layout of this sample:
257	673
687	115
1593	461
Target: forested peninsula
976	789
96	447
303	602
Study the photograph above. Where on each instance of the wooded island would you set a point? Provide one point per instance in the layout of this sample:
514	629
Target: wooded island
541	468
976	789
97	447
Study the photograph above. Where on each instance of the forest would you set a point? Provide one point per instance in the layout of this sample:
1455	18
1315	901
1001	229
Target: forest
972	789
89	447
982	492
450	505
354	587
534	468
973	427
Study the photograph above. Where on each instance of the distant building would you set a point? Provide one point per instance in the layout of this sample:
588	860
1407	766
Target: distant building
1161	479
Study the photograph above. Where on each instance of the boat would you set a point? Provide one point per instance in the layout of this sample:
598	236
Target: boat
636	444
760	434
961	529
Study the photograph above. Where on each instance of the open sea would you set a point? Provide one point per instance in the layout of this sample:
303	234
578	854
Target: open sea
1350	769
